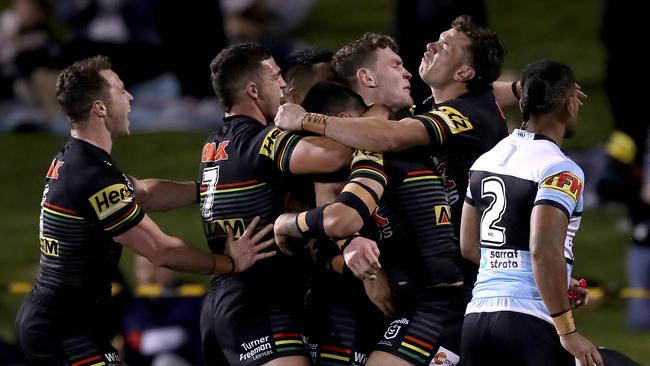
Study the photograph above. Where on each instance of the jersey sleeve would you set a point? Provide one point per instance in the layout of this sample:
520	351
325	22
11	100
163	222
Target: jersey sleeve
277	145
561	186
368	164
111	199
469	197
446	123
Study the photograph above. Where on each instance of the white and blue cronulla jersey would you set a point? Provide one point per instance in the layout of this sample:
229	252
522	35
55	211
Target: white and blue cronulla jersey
521	171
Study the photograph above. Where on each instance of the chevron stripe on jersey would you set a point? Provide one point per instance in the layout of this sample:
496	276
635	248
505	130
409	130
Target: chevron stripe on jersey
521	171
413	191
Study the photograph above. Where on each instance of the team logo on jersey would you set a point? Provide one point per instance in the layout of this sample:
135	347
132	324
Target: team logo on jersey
49	246
443	215
53	171
219	228
565	182
455	120
272	142
110	199
213	152
359	155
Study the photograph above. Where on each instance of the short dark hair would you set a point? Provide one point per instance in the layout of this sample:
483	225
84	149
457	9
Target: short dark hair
234	65
80	84
544	85
358	54
298	66
486	51
332	98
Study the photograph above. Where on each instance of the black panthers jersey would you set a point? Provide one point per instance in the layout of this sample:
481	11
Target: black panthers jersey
460	130
243	174
413	215
86	202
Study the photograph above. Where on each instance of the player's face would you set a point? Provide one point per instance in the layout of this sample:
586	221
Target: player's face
295	92
270	88
392	80
444	58
118	105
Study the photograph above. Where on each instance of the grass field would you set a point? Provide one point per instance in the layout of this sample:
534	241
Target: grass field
545	29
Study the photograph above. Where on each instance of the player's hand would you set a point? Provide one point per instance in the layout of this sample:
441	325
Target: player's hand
582	96
582	349
245	251
286	234
362	256
289	117
578	293
378	291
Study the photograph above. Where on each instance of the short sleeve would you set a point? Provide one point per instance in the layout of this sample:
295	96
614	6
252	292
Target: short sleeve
561	186
112	201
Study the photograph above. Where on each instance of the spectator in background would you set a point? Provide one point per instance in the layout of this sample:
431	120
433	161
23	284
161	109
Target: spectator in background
265	21
29	52
623	178
161	327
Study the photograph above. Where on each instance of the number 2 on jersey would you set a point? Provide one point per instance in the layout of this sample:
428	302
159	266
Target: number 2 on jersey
491	233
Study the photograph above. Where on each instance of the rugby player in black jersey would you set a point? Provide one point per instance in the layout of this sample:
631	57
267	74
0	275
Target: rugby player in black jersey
88	209
412	200
255	318
465	122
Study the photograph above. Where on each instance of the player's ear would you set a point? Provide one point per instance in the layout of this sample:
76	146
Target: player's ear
99	108
366	78
294	95
344	115
464	73
572	104
252	91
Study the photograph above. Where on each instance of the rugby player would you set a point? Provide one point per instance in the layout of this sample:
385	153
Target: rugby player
88	213
521	213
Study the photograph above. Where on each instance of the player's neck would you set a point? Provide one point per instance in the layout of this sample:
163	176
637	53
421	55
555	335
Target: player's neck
247	109
93	132
548	126
448	92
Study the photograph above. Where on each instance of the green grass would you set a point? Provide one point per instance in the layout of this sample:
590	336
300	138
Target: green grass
555	29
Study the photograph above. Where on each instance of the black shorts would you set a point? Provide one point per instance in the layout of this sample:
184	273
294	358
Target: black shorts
250	324
342	325
53	334
427	327
510	338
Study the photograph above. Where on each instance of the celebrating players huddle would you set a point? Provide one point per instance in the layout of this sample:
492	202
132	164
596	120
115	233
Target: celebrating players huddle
379	233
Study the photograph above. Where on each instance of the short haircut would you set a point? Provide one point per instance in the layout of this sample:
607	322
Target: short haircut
298	67
544	86
80	84
486	53
358	54
232	67
330	98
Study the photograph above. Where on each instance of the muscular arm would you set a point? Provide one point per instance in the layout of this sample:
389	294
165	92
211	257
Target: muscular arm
368	133
315	154
503	93
162	194
163	250
469	233
167	251
548	228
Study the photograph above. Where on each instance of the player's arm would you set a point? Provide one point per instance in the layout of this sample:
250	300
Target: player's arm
367	133
146	239
314	154
163	194
470	233
298	154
